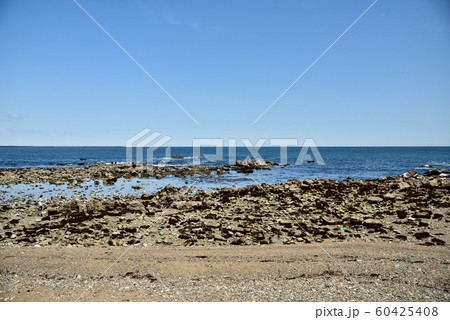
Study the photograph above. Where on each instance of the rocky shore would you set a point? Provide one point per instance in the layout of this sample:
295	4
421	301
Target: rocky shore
408	208
109	173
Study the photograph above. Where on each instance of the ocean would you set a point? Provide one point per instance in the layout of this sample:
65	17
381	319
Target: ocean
339	163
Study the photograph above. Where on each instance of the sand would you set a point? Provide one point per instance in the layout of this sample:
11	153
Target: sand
346	271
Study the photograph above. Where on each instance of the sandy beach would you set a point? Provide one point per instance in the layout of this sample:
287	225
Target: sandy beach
328	272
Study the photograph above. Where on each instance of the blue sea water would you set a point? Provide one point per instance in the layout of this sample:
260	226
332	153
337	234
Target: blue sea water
340	162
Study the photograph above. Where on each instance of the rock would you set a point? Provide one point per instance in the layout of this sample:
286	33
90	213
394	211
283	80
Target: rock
236	229
422	214
320	231
390	196
439	242
434	183
218	237
286	223
14	221
331	220
411	173
194	204
423	224
173	220
403	185
136	206
276	240
373	223
212	224
52	211
112	242
401	214
355	220
237	242
260	236
438	216
421	235
294	189
401	237
373	200
436	172
328	210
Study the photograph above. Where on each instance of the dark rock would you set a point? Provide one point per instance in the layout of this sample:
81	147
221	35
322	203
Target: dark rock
356	220
320	231
52	211
401	237
437	216
373	223
14	221
401	214
286	223
421	235
438	241
435	172
427	244
237	242
422	214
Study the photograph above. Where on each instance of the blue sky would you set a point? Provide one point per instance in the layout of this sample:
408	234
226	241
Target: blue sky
63	81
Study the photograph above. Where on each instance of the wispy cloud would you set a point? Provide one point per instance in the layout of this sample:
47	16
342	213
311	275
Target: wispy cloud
12	116
53	131
2	131
196	25
159	16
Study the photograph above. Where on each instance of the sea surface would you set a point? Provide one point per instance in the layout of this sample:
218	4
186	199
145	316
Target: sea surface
339	163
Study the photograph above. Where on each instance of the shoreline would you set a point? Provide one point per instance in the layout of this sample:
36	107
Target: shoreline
380	239
407	208
110	172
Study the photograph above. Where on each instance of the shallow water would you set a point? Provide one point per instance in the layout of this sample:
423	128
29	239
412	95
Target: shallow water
340	163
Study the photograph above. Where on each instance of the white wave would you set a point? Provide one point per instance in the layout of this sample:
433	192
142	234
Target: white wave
438	163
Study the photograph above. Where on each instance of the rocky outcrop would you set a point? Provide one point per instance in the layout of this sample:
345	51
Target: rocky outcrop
110	173
290	212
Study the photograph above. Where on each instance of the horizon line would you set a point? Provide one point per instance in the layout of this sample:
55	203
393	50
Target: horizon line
188	146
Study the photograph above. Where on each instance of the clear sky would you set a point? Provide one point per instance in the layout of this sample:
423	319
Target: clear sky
63	81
